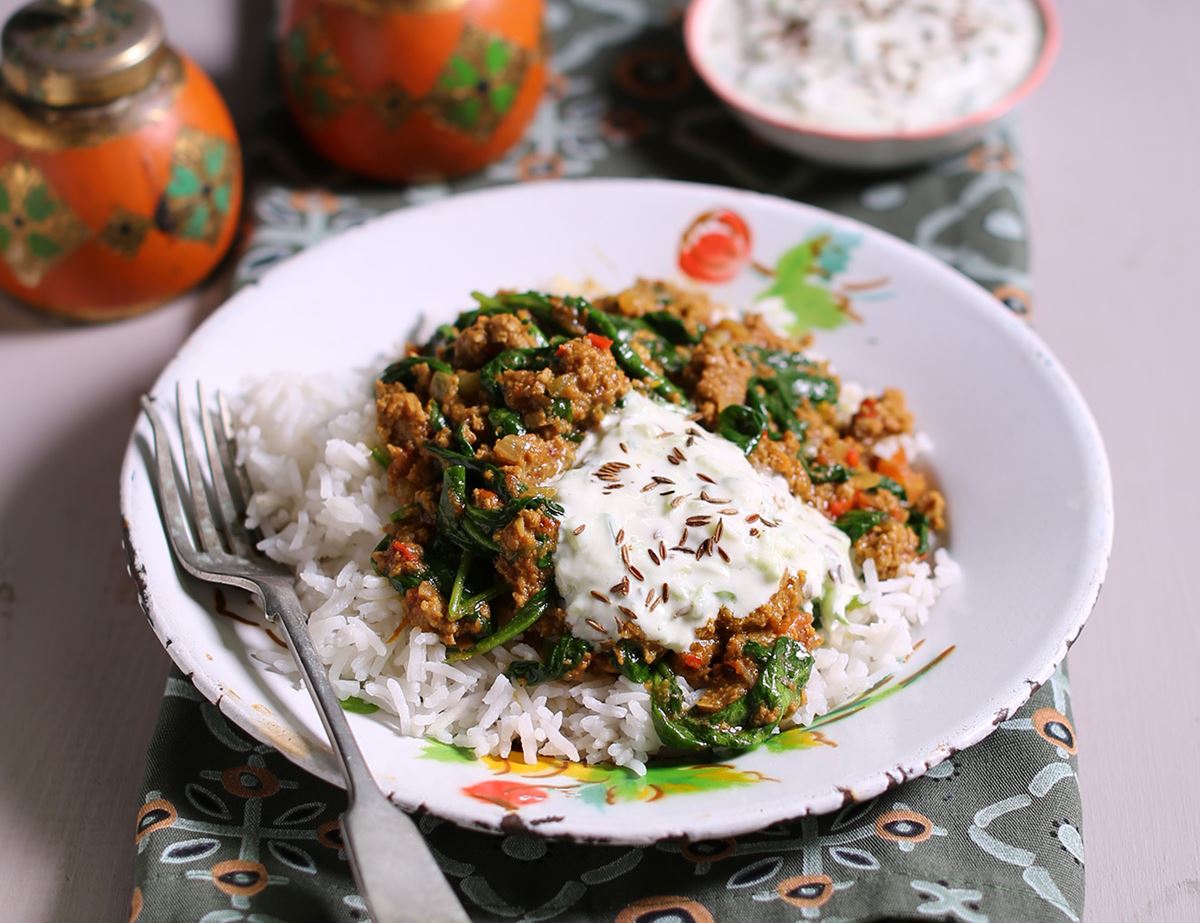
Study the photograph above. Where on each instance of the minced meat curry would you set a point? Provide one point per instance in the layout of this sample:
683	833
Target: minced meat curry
478	421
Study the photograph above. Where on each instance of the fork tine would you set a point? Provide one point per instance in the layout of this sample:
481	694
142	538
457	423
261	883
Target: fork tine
202	515
218	465
241	483
163	472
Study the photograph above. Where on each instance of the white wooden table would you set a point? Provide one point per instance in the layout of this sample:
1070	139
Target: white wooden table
1111	145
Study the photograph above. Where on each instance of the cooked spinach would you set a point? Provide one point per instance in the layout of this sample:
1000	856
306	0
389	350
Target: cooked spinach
603	324
791	379
567	319
827	474
358	706
461	440
630	660
567	654
672	328
437	419
919	523
506	422
403	370
771	397
799	375
742	425
661	350
858	523
534	359
443	336
561	408
892	487
784	669
537	606
470	527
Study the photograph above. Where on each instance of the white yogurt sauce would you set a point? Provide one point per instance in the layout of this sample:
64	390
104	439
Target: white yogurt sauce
648	476
874	65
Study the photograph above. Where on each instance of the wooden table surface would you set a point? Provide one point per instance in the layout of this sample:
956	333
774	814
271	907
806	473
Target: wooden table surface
1110	143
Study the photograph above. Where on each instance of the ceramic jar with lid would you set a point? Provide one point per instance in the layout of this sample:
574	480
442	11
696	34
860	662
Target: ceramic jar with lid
120	170
409	90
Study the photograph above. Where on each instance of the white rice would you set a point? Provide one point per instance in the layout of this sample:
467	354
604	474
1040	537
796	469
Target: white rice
322	503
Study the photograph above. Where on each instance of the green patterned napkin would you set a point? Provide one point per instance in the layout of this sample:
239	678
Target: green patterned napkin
230	830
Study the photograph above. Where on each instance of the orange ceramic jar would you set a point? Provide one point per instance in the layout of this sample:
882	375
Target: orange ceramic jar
116	194
409	90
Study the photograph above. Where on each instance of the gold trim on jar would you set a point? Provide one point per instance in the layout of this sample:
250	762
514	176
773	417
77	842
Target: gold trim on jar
39	128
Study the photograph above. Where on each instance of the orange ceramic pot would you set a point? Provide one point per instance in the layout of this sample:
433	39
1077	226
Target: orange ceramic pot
106	211
410	90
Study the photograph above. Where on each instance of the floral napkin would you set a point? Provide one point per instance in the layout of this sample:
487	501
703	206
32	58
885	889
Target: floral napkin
229	830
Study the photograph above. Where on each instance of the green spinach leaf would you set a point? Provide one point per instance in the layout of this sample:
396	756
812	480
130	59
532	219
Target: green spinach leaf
567	654
784	670
742	425
858	523
358	706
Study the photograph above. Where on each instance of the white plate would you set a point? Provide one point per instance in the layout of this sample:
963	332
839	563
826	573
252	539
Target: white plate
1017	453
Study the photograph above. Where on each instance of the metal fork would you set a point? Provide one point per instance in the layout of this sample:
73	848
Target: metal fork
397	875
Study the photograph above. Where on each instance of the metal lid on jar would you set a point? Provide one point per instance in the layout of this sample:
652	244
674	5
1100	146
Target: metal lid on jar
81	52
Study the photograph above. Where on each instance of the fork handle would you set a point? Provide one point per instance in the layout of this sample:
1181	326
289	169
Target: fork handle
397	875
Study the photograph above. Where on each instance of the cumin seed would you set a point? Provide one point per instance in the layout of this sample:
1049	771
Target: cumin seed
596	625
707	499
684	550
728	511
678	500
718	530
637	574
683	537
651	595
705	477
625	555
578	530
691	441
662	550
620	537
622	587
627	612
659	479
724	556
698	520
624	447
666	592
596	594
653	556
649	486
754	533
